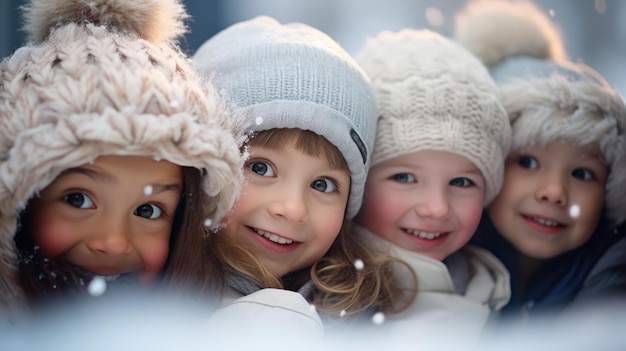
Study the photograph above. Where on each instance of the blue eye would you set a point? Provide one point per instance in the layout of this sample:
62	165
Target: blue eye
404	178
261	168
528	162
461	182
324	185
148	211
78	200
583	174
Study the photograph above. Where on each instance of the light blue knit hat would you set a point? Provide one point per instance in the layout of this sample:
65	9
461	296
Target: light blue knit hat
294	76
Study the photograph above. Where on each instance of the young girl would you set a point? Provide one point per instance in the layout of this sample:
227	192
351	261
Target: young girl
110	149
311	115
553	223
438	160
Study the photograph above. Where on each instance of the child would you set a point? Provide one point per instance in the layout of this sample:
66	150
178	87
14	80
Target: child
311	115
438	160
553	223
109	149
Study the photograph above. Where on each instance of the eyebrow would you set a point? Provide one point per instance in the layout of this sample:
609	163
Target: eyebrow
159	188
107	178
97	176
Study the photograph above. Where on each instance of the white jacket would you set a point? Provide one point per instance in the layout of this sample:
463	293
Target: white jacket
260	319
439	317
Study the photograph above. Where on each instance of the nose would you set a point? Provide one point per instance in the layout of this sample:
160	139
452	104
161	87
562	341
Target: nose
433	204
552	190
111	238
290	205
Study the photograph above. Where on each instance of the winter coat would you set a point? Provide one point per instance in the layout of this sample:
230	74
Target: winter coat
255	319
574	278
440	316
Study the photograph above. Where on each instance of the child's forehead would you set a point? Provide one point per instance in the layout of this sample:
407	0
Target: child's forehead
565	146
429	158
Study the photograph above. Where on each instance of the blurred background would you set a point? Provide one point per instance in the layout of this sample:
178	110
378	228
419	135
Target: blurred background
594	30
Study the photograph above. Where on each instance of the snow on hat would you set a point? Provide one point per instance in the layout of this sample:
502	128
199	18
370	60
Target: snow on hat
294	76
104	78
547	96
435	95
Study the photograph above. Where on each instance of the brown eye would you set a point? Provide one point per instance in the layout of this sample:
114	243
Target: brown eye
148	211
78	200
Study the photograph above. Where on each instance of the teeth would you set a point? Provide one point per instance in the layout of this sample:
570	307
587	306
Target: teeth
423	235
273	237
545	222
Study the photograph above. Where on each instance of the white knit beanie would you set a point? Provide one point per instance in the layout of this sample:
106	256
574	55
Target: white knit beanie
547	96
104	77
435	95
294	76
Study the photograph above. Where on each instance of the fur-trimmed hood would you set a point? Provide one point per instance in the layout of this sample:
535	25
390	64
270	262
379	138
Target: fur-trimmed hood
547	96
104	78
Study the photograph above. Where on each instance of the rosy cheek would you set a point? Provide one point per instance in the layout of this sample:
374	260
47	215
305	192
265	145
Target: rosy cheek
53	236
154	257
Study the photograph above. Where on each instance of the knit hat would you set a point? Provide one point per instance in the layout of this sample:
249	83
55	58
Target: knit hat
547	96
435	95
294	76
104	78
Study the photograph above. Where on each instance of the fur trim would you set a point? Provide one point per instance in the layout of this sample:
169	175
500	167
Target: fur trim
581	112
89	90
152	20
496	29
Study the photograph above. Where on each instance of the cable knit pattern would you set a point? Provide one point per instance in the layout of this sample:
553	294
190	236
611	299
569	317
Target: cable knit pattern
435	95
110	85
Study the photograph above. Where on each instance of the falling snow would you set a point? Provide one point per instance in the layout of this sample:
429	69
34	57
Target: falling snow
174	104
378	318
97	286
259	120
148	190
574	211
342	313
434	17
208	222
358	264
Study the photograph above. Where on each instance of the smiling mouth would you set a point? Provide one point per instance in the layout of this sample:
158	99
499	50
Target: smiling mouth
273	237
423	235
545	222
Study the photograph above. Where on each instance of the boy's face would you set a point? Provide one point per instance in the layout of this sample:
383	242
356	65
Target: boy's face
111	216
552	198
429	202
291	208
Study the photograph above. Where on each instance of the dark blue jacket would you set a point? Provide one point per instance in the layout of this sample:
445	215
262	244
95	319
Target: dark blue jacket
597	268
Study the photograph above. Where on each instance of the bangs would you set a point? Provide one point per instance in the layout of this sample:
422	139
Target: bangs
308	142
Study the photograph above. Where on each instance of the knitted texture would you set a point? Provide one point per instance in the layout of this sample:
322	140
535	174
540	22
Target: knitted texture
547	96
434	95
294	76
89	84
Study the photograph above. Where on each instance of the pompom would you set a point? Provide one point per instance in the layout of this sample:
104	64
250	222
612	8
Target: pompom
152	20
495	29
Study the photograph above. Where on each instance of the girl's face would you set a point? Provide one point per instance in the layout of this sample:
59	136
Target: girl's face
111	216
429	202
291	208
552	198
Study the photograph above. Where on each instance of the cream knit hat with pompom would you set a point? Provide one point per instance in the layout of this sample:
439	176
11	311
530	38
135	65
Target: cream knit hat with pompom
104	77
433	94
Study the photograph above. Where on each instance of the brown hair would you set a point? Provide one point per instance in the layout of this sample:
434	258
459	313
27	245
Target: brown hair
339	286
43	279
